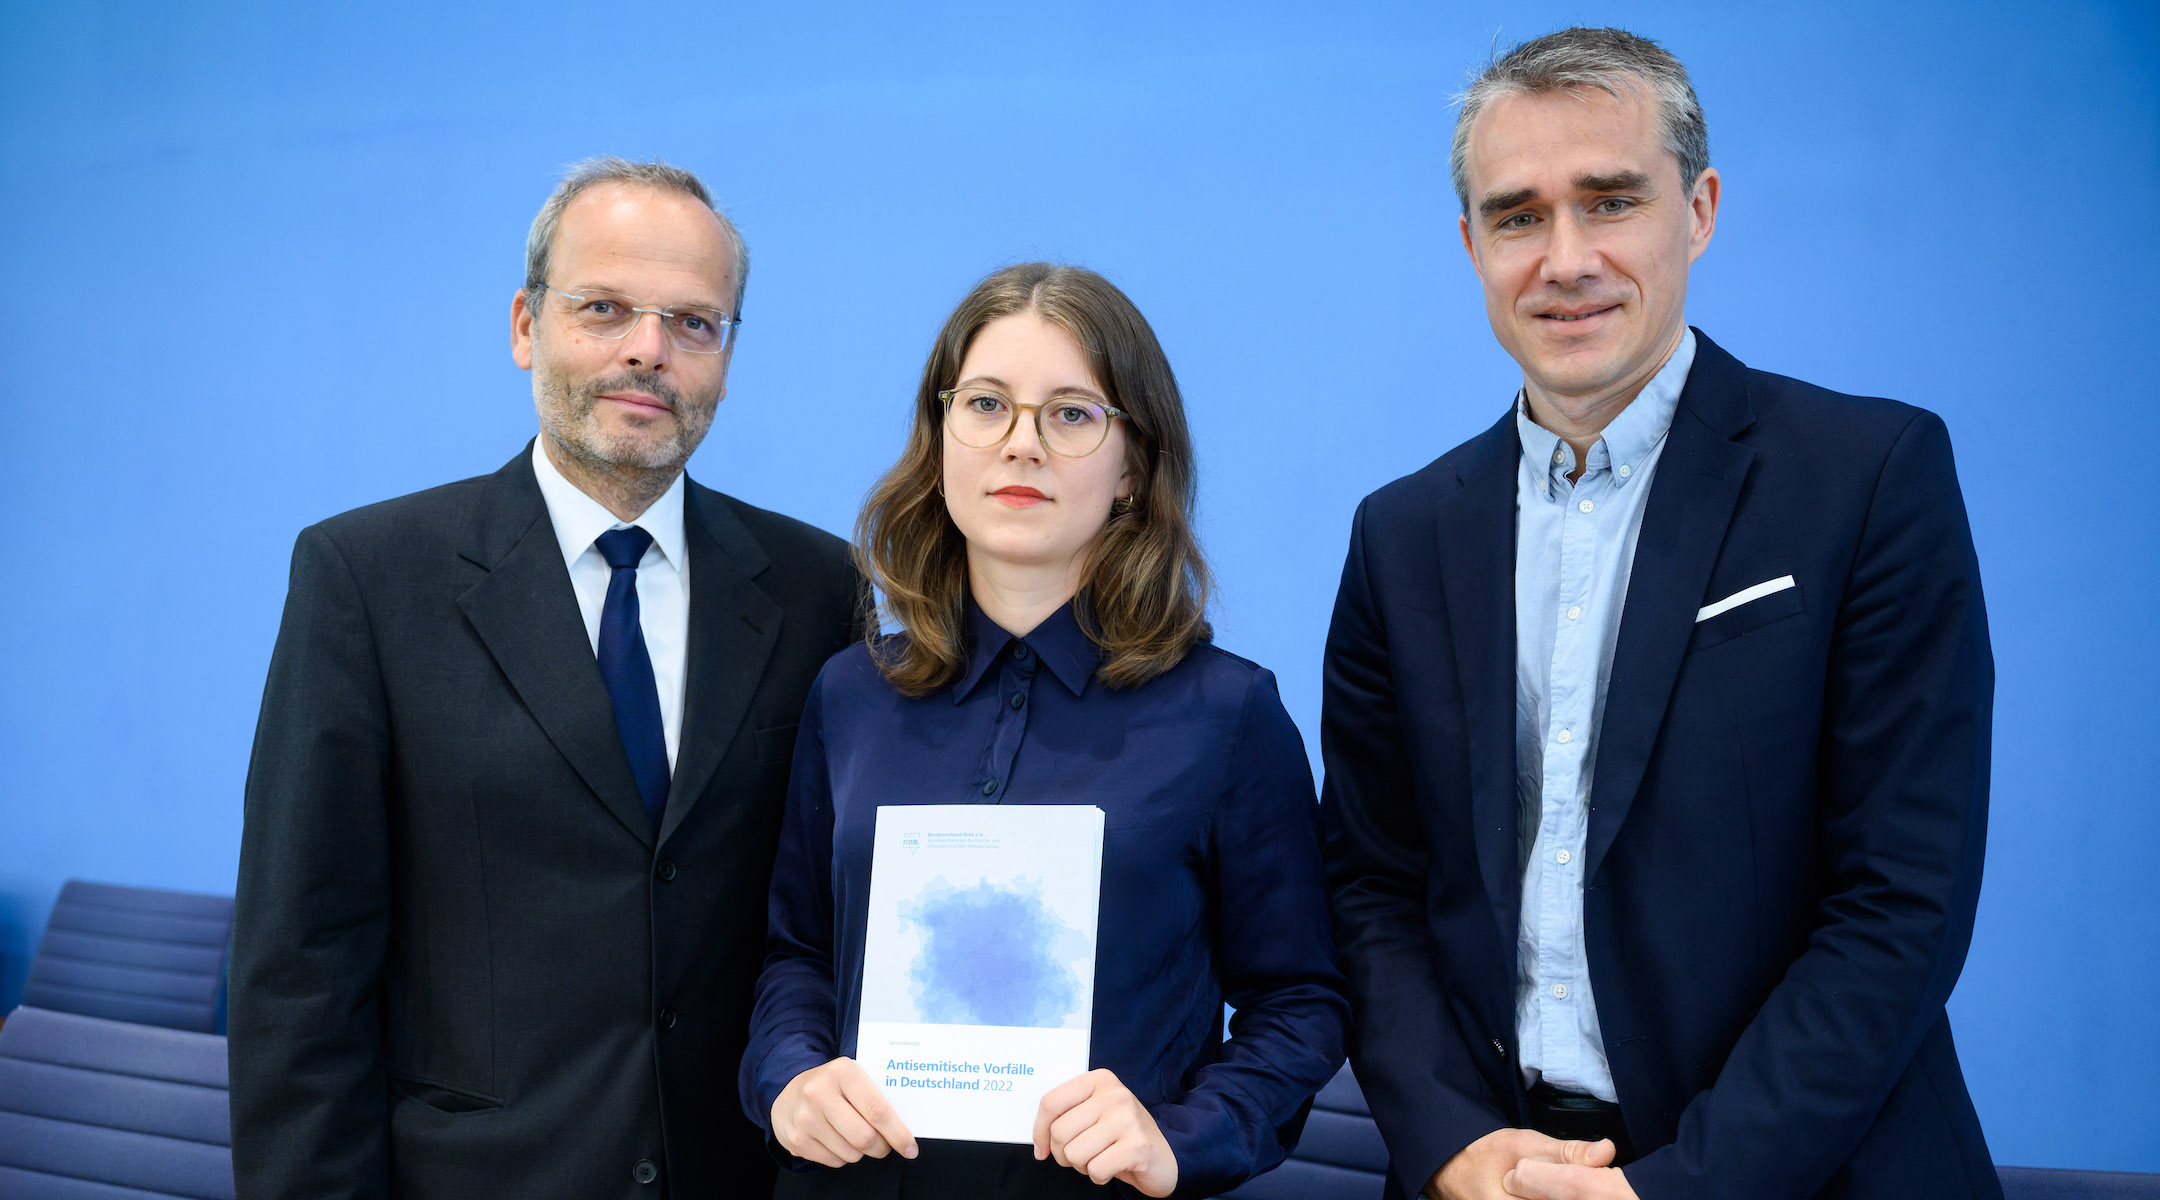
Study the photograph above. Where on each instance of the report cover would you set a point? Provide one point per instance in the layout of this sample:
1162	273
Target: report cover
979	971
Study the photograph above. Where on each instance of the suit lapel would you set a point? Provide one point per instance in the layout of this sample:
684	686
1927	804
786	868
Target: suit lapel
526	612
1476	527
734	626
1691	505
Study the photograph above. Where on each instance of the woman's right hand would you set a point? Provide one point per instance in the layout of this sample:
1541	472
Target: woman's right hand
833	1115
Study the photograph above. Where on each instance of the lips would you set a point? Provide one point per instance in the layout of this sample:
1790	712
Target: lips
1571	318
641	400
1019	496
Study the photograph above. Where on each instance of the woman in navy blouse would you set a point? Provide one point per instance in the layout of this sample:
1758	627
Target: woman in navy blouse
1034	545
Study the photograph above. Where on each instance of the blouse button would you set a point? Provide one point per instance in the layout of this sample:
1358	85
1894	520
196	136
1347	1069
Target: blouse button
1018	699
989	787
1020	651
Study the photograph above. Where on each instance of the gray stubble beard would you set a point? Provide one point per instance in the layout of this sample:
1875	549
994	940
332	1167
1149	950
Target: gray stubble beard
639	467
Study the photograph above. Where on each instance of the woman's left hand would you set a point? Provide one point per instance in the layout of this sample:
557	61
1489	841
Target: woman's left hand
1092	1124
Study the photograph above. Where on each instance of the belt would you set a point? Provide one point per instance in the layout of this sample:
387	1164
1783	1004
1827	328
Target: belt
1573	1116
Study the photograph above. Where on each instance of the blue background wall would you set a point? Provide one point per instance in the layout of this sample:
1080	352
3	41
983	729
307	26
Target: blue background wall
260	264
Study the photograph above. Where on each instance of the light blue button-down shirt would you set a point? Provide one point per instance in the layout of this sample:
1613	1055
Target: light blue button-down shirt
1574	548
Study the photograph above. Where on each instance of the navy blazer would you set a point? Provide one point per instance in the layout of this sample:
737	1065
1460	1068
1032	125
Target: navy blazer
1787	816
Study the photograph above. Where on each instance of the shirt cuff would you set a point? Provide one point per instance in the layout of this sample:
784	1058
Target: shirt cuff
1206	1145
793	1056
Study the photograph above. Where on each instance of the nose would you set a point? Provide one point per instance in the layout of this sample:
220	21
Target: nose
1025	440
1571	255
646	345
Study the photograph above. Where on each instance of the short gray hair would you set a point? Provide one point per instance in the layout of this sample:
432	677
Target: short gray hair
1611	60
540	243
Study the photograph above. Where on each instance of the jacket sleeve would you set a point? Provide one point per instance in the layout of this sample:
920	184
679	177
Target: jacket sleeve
1901	822
793	1026
1244	1111
1417	1072
310	1104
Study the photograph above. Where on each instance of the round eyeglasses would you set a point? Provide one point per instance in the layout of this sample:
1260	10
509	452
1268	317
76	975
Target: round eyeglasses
1067	425
692	328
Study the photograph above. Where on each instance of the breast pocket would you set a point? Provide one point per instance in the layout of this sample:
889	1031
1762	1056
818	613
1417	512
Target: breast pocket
441	1096
1747	617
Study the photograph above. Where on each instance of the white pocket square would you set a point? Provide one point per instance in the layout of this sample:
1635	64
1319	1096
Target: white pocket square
1744	595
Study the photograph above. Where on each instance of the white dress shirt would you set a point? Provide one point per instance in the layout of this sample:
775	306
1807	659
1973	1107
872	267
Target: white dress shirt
663	578
1574	552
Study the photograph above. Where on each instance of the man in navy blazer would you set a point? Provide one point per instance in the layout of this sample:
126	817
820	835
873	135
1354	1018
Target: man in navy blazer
1656	719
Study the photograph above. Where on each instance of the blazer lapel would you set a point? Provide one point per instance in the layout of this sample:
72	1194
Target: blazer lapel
1476	527
527	614
734	626
1691	505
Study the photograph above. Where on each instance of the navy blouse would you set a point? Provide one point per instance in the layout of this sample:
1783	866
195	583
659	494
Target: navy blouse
1212	887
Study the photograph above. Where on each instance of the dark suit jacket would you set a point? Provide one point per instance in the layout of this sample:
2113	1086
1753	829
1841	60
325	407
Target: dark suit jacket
1787	815
463	965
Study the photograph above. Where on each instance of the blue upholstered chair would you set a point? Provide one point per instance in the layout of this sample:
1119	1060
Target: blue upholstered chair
1340	1157
92	1109
134	954
2038	1183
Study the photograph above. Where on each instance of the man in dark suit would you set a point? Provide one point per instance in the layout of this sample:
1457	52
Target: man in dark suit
1656	719
519	772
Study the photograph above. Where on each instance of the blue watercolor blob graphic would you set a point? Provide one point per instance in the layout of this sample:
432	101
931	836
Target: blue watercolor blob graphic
989	956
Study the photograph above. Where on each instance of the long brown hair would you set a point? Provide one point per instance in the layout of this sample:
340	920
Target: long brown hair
1143	597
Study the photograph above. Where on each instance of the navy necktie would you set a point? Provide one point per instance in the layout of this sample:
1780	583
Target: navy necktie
627	669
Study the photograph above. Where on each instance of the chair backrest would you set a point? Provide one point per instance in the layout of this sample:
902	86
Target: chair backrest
134	954
92	1109
1340	1156
2043	1183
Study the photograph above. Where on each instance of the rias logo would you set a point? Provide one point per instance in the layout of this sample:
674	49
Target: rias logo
911	842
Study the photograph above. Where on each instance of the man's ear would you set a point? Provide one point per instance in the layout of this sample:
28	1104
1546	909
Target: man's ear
1702	212
521	331
1462	223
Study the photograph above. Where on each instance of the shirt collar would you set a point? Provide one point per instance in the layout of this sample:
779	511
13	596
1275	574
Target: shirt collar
1059	642
1630	438
579	519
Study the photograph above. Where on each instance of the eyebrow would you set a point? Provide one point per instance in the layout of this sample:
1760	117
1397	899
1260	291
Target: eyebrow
1617	181
619	294
1496	202
1001	385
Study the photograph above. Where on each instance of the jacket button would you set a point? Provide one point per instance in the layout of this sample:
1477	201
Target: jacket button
666	871
667	1018
644	1171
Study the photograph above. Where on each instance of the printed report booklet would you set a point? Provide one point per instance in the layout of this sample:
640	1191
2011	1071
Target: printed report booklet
979	972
